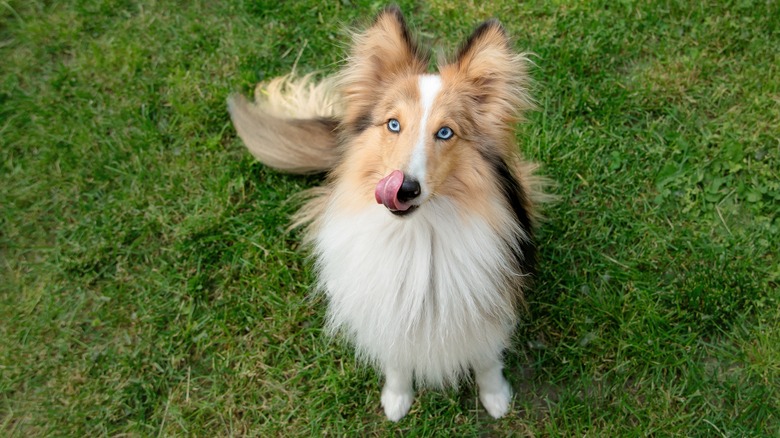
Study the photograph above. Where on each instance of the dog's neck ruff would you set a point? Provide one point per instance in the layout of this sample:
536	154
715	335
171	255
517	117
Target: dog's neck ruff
431	293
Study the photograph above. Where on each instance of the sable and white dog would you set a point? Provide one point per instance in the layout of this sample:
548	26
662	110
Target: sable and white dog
422	232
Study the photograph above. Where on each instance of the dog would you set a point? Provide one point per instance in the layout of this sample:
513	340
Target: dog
422	233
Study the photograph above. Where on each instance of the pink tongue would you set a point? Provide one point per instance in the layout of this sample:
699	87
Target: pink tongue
387	191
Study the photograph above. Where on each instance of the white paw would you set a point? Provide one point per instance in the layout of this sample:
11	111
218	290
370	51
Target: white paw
497	403
396	404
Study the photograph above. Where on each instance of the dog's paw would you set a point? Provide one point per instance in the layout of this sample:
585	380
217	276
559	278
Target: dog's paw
396	404
497	402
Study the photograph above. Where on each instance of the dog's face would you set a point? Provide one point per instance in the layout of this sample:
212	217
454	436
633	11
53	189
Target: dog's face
415	135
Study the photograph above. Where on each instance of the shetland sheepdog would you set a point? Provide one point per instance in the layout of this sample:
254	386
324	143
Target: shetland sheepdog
422	231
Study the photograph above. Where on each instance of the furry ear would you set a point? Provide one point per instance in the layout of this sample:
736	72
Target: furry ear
380	53
496	76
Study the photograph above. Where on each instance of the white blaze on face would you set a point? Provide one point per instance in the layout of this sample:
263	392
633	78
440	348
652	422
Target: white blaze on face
429	86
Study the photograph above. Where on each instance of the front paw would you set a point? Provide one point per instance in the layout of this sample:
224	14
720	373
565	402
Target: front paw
396	404
497	402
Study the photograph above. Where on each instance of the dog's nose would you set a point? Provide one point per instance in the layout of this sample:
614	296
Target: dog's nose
409	190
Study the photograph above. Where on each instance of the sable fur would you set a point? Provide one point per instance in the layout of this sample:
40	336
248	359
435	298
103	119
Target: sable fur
426	297
292	126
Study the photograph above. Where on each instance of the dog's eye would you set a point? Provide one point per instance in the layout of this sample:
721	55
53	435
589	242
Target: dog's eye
445	133
394	125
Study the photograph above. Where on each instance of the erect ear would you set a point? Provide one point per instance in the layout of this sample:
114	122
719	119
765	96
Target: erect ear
495	75
380	53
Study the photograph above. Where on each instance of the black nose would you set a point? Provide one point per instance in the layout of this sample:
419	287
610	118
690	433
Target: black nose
409	190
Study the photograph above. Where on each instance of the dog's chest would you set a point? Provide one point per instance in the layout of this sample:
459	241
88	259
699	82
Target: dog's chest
398	275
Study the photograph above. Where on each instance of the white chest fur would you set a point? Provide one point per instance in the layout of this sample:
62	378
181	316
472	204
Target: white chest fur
425	293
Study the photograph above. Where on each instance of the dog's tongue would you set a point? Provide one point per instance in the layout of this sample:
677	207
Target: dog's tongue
387	191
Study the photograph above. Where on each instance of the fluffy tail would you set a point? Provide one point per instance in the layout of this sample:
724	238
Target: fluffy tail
291	125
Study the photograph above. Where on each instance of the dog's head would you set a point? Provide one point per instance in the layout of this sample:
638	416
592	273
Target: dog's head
413	135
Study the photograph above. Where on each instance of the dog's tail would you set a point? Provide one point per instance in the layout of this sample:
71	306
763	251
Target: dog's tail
292	125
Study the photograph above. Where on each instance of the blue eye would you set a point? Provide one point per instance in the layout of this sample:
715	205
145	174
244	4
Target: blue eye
393	125
444	133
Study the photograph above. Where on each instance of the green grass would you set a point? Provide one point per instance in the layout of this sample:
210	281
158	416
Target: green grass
148	286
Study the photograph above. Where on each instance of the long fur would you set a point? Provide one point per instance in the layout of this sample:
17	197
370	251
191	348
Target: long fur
431	295
292	124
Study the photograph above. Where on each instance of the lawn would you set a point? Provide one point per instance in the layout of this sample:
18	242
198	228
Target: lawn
148	285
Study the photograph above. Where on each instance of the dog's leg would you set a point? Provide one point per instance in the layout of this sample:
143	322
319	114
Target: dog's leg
398	393
494	391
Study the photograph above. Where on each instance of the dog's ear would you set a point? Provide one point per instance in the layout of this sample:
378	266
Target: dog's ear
380	53
493	73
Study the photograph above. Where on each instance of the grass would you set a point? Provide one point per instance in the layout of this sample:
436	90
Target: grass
148	286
